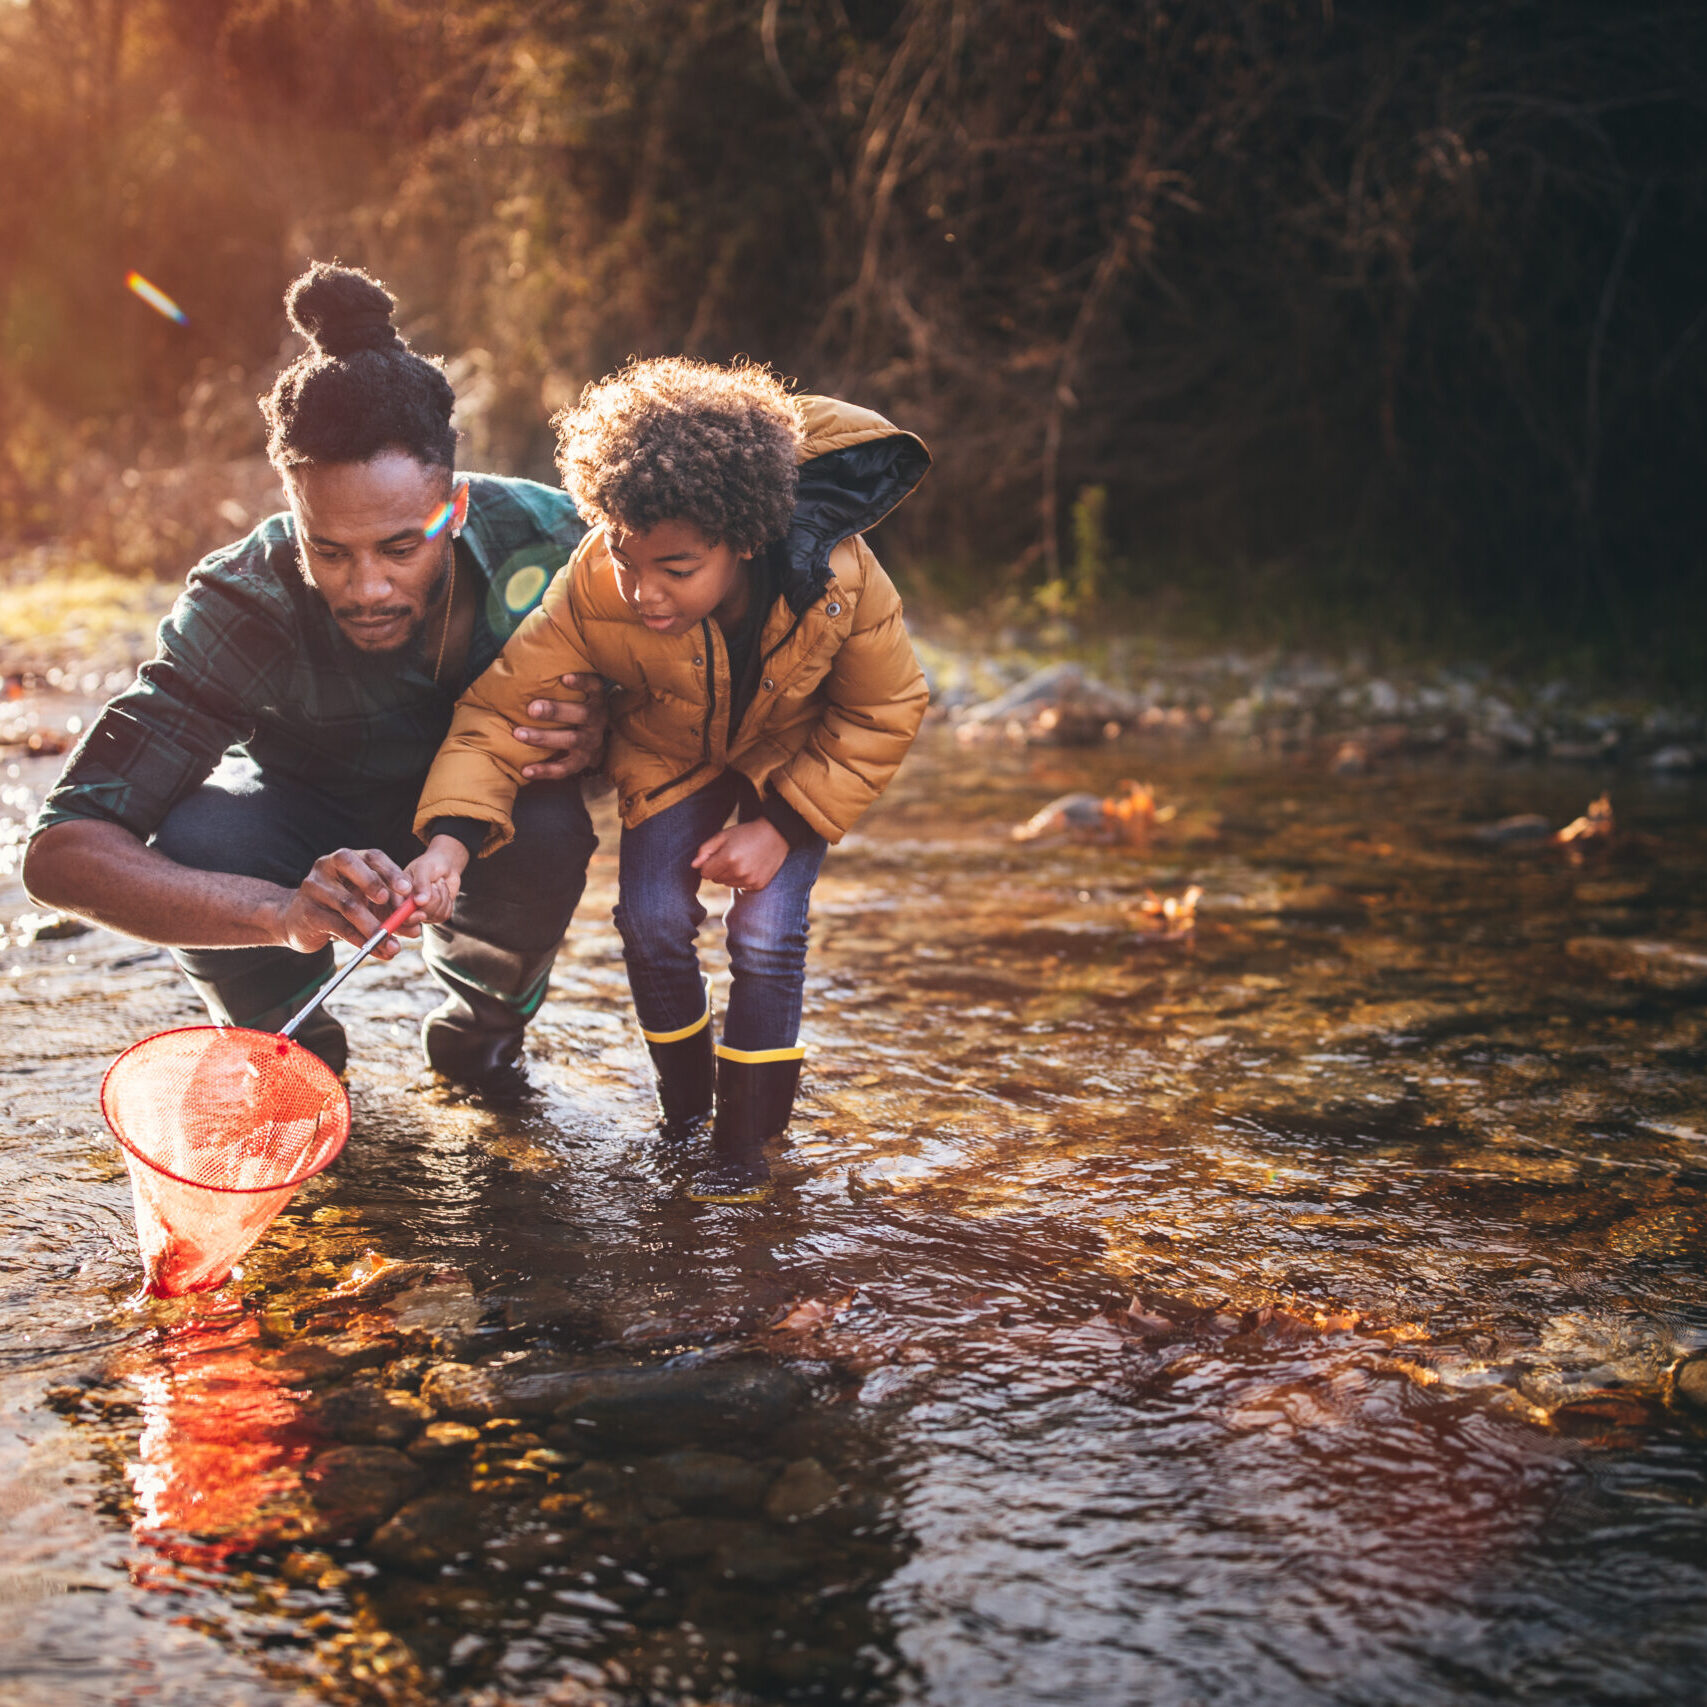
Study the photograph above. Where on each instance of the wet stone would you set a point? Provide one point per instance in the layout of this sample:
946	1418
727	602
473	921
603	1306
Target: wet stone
758	1556
708	1481
679	1540
1690	1384
355	1488
427	1533
614	1512
1598	1412
664	1407
371	1416
526	1550
461	1392
314	1361
804	1489
443	1440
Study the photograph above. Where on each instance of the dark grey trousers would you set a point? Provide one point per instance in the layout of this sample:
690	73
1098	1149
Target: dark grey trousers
493	959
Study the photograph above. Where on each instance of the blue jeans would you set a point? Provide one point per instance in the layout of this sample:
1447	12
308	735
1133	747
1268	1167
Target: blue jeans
492	959
659	914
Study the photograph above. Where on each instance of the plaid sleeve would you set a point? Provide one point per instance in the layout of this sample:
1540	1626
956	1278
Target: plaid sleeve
159	740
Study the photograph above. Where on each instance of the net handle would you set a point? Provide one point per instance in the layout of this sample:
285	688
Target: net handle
401	917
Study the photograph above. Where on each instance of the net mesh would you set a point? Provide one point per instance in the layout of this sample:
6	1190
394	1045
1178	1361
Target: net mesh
219	1127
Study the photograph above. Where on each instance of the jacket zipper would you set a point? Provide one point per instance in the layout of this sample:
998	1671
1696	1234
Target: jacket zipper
710	714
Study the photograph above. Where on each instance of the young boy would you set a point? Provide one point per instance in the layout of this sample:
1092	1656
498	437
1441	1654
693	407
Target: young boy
759	668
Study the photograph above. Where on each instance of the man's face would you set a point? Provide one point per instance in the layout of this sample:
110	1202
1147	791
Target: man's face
370	547
673	577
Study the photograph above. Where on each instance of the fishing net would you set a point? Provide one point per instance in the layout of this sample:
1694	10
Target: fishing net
219	1126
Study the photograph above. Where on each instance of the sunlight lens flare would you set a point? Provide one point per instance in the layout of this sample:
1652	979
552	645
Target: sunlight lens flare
437	522
156	298
525	586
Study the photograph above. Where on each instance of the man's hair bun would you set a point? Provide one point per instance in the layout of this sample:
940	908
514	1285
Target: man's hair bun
358	388
340	310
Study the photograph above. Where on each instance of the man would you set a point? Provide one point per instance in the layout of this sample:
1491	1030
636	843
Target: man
247	801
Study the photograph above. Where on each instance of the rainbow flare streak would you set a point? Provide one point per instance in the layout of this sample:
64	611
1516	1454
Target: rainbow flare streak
156	298
435	523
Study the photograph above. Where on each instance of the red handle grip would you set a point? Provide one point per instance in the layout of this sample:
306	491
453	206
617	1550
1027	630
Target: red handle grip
401	917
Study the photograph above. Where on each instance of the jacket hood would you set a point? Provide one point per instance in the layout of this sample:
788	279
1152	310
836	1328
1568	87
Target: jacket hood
855	467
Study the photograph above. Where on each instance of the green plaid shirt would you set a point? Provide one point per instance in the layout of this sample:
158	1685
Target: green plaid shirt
250	661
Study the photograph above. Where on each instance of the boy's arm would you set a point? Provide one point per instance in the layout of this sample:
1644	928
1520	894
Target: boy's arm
479	767
877	700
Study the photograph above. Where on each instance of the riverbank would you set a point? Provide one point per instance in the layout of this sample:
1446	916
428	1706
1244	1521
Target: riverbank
67	624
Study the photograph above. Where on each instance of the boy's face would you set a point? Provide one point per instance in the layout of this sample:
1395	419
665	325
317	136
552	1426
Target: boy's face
673	577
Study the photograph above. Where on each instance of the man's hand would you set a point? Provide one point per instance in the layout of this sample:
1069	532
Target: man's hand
577	729
746	856
345	898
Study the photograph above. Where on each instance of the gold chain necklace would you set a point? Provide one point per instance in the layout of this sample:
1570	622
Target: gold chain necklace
450	605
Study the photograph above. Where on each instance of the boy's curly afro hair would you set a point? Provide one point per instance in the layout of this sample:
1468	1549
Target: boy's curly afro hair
671	439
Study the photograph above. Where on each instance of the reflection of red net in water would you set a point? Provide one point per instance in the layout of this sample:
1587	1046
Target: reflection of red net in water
218	1465
219	1127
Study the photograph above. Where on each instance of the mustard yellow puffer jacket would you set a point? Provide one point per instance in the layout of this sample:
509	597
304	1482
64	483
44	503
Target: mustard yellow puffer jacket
840	696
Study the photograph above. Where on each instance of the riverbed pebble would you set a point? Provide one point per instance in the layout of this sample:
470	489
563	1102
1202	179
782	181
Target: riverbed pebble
427	1533
804	1489
461	1391
355	1488
371	1416
444	1440
1689	1384
314	1361
710	1481
678	1404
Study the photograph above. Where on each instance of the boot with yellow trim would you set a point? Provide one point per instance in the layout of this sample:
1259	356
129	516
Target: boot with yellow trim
686	1071
755	1097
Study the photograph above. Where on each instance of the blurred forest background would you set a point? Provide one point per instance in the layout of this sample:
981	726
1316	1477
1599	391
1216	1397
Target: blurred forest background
1326	322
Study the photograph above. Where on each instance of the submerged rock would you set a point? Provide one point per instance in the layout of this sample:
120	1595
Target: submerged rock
371	1416
314	1361
462	1392
804	1489
427	1533
355	1488
442	1440
759	1556
647	1407
680	1540
1689	1384
700	1401
709	1481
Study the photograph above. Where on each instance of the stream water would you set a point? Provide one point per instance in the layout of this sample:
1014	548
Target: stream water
1286	1315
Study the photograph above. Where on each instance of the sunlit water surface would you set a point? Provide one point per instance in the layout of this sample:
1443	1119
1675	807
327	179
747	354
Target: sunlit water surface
1404	1160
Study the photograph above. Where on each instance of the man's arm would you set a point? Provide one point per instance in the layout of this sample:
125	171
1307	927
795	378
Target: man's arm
577	732
100	871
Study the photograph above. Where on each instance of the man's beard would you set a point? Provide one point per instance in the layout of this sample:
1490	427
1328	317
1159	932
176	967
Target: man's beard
410	646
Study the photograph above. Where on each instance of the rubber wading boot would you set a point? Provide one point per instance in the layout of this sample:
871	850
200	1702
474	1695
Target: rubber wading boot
322	1035
755	1097
686	1071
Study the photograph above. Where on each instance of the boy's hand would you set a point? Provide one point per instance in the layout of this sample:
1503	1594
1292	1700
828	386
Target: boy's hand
746	856
577	732
435	878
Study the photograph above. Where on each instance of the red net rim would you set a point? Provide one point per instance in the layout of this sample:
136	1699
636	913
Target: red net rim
273	1039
